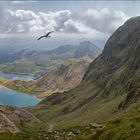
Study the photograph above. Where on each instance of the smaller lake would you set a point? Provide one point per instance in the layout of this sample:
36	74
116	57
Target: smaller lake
14	98
11	76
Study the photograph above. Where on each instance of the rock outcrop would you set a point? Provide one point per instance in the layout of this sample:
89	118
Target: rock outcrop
63	78
11	116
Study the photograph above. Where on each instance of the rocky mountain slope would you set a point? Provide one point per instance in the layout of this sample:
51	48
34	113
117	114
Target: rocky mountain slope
31	61
12	118
110	85
63	78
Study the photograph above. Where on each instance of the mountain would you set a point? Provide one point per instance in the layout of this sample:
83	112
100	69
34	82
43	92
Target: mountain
62	78
86	48
110	86
82	49
31	61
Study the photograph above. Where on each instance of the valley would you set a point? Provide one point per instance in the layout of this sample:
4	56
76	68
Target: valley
86	95
62	77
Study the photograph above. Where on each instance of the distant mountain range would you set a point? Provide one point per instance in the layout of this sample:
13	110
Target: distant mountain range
31	61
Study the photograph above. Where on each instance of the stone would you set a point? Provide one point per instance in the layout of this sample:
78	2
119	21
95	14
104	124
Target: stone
76	131
95	125
50	128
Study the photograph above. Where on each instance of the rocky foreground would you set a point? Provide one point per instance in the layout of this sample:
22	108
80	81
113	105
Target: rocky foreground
11	116
15	121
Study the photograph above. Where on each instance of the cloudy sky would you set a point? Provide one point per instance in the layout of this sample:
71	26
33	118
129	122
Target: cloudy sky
72	21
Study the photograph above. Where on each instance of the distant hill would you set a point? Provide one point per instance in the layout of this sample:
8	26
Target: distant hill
82	49
31	61
86	48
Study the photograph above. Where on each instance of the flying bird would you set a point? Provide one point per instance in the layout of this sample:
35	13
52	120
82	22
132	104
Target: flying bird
47	35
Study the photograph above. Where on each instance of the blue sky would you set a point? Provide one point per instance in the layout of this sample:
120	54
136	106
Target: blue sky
72	21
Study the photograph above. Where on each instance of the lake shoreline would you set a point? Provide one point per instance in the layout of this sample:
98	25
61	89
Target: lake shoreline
16	73
12	97
17	76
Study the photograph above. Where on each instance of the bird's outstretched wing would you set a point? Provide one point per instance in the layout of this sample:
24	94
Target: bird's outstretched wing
40	37
49	33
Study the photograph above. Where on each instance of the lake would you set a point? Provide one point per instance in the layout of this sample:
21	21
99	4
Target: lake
14	98
12	76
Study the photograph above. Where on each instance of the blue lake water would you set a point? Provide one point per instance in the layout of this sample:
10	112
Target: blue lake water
14	98
11	76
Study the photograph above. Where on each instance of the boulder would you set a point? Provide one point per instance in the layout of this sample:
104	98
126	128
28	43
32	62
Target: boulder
50	128
76	131
96	126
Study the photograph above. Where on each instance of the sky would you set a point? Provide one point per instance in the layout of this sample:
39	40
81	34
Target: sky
73	21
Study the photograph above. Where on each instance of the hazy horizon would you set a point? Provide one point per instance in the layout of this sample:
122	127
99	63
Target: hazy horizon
22	22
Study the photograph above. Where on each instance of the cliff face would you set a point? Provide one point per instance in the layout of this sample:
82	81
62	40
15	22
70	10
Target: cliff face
111	82
64	77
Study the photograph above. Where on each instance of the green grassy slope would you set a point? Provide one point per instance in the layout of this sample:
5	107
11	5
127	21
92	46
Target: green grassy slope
120	127
22	66
111	83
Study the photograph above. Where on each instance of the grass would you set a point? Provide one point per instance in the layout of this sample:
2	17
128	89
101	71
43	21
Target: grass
126	126
22	66
122	126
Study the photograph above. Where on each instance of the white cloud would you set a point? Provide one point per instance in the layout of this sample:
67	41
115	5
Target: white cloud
105	20
22	2
91	21
74	26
